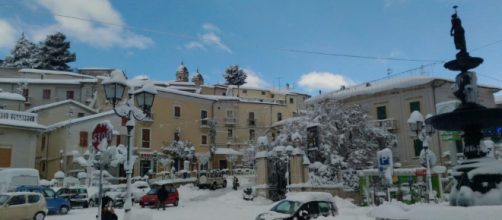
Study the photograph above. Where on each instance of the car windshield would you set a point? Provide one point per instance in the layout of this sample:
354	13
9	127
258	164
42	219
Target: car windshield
152	192
3	199
286	207
48	193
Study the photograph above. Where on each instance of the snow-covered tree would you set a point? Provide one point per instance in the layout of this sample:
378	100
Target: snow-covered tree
54	54
180	149
346	139
23	55
235	76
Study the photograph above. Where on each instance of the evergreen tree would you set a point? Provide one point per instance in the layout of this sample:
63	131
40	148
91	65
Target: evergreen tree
235	76
23	55
54	54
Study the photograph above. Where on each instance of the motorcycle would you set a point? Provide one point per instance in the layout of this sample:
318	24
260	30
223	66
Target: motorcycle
247	194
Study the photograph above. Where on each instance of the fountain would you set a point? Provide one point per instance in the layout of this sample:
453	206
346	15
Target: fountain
478	178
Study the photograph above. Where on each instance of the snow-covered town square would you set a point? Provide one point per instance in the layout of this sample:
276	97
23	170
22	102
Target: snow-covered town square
262	110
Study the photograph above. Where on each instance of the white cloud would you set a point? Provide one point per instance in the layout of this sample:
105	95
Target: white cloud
210	39
194	45
323	80
254	79
7	34
88	31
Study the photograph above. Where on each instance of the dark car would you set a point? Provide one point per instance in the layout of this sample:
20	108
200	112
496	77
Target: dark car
151	199
78	196
304	205
55	204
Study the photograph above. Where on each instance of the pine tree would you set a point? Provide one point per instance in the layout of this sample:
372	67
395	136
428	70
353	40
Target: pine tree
235	76
54	54
23	55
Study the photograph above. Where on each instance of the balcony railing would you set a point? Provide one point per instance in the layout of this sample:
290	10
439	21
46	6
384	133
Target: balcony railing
17	116
389	124
230	121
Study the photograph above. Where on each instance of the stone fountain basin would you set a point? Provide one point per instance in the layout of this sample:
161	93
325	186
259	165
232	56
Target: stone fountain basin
465	118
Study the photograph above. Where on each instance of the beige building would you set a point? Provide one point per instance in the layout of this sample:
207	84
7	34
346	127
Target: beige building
41	87
61	111
18	138
390	102
58	141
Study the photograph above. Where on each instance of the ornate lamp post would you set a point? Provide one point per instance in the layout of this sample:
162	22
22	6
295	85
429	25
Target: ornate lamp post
114	88
424	132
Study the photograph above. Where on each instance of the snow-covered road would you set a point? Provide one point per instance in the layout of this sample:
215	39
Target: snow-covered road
221	204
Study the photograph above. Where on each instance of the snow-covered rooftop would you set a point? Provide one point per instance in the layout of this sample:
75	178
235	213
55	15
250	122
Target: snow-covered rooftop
47	81
78	120
54	104
11	96
498	100
374	87
55	72
209	97
286	121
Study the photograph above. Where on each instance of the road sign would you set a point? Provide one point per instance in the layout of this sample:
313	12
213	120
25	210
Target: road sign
100	132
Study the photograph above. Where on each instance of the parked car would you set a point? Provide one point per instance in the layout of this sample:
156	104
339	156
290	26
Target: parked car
78	196
212	179
22	205
11	178
55	204
151	199
303	205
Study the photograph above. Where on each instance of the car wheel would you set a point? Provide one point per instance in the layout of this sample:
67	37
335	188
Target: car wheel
39	216
175	203
225	184
63	210
213	186
92	203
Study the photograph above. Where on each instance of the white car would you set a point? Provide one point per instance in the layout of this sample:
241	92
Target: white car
22	205
302	205
138	190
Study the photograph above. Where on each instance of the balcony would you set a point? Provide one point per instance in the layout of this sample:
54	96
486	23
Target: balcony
389	124
204	123
230	121
18	116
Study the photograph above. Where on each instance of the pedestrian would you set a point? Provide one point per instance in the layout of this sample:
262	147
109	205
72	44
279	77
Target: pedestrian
162	196
107	212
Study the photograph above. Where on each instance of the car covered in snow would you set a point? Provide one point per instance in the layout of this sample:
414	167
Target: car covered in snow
212	179
151	199
302	205
78	196
22	205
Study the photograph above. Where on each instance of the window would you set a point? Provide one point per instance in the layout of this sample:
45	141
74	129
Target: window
263	92
70	94
204	139
26	93
251	134
381	112
80	115
279	116
47	94
230	133
203	117
272	96
414	106
33	198
244	91
118	140
17	200
251	118
144	167
291	100
177	111
230	114
273	136
417	144
145	138
83	138
43	143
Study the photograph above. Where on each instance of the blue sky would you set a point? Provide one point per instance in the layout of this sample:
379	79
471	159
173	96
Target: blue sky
153	37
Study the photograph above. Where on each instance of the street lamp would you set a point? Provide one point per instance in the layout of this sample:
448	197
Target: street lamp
424	132
289	152
115	87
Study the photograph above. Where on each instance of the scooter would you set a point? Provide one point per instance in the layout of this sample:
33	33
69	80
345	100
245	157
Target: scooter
235	184
247	194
